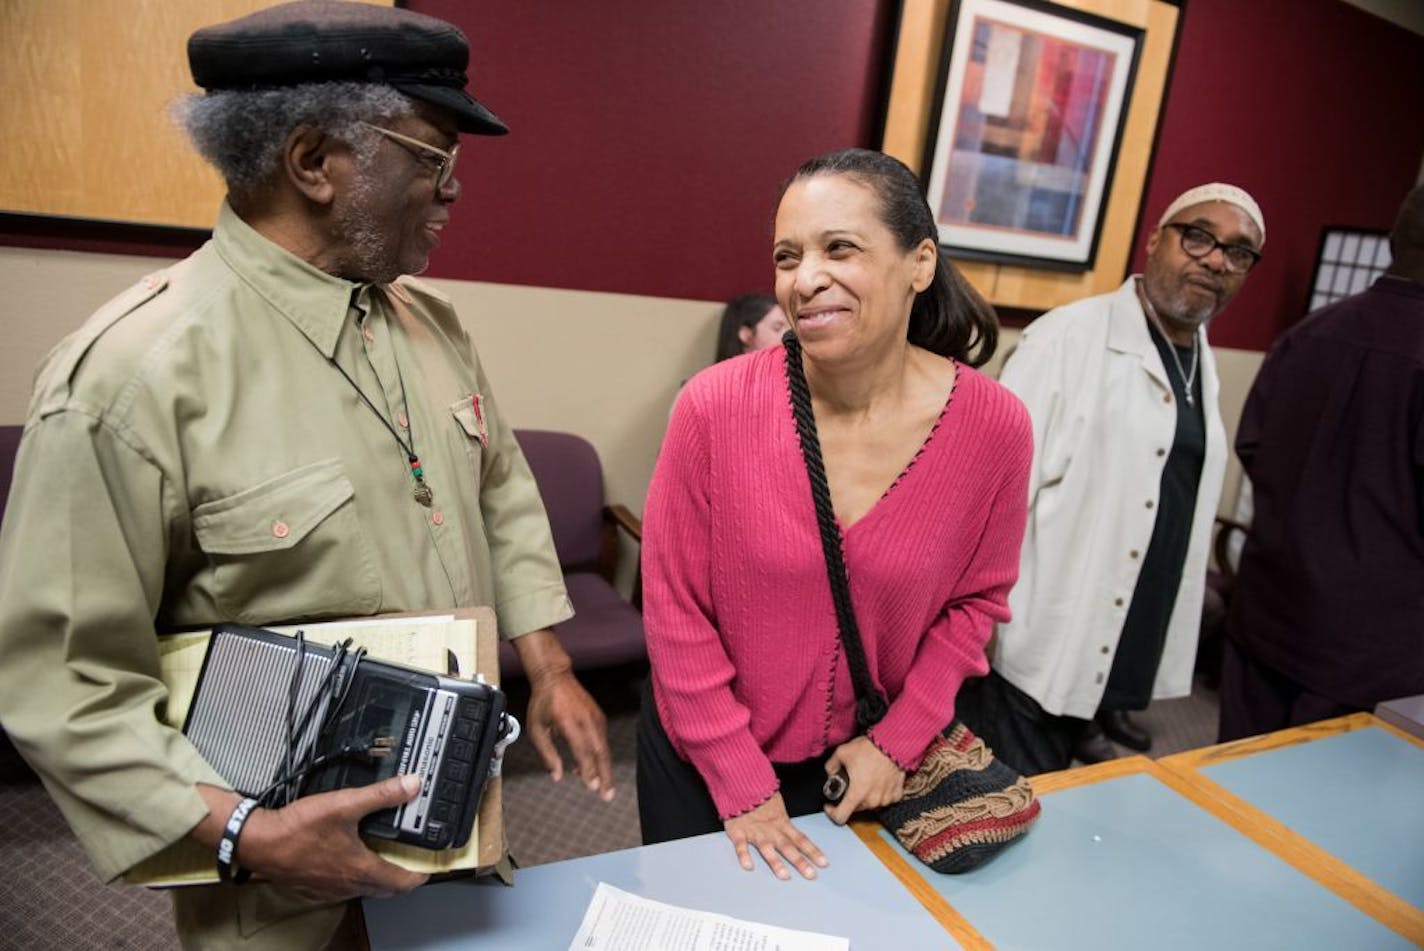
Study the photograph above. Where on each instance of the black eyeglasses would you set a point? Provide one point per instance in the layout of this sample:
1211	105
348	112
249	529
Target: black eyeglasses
1199	243
441	162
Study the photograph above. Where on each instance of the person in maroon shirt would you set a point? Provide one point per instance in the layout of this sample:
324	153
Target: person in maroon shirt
1328	614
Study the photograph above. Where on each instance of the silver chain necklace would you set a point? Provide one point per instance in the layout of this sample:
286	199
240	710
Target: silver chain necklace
1188	379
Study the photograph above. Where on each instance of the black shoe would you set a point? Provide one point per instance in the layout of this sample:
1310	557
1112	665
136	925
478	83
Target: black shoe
1093	746
1121	728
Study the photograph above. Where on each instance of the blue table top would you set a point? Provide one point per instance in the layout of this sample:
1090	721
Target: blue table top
1130	863
1357	795
856	897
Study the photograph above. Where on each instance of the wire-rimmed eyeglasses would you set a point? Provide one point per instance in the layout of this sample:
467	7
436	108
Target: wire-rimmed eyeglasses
1199	242
444	165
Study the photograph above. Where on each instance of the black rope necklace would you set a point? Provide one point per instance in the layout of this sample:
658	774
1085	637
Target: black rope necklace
423	493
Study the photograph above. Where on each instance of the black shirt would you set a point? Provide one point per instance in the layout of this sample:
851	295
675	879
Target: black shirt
1144	630
1331	586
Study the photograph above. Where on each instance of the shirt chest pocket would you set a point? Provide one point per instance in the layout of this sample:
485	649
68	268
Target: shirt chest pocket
472	429
290	547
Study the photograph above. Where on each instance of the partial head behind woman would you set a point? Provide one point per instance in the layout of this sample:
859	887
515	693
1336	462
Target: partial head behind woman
949	317
748	324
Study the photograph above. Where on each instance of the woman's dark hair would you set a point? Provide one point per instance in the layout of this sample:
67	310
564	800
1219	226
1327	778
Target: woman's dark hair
949	317
744	311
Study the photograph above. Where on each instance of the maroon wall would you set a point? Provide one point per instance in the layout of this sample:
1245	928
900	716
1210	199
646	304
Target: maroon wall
648	139
1314	107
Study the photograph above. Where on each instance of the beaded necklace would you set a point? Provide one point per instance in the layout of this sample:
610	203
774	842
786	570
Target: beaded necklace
423	493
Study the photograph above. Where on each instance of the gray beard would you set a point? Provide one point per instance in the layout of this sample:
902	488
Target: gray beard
368	239
1174	308
1179	312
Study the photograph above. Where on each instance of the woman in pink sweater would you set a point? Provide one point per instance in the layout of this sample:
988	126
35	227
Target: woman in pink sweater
927	462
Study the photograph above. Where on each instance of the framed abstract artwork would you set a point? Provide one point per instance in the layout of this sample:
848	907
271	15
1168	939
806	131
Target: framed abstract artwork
1025	132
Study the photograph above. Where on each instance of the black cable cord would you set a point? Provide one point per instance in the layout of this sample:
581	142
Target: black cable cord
294	688
298	760
361	749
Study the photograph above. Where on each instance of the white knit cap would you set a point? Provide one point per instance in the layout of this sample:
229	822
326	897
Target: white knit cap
1218	191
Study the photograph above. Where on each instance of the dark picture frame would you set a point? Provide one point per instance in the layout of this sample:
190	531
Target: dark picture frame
1030	107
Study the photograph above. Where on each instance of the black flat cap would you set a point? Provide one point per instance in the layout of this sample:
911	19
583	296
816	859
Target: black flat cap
322	41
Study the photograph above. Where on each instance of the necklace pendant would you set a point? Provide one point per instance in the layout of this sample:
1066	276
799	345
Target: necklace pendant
1191	401
423	494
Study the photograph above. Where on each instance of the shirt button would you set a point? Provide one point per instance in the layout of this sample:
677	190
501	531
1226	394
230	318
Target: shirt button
402	420
1107	649
1161	453
1118	602
1132	554
1150	503
280	529
438	518
368	334
1098	679
1167	398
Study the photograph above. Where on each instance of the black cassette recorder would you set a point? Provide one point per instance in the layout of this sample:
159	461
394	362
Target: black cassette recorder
280	717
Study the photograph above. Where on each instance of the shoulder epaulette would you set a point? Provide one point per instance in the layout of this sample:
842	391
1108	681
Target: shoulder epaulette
53	378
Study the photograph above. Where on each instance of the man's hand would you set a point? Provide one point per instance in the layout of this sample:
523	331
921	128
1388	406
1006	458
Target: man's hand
558	705
769	830
875	779
311	846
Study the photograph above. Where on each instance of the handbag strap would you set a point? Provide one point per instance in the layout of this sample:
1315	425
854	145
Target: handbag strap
870	704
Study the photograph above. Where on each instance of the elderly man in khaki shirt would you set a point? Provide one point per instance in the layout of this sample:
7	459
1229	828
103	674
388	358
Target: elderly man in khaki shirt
280	427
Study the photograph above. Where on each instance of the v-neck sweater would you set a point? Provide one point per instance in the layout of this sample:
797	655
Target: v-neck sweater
747	662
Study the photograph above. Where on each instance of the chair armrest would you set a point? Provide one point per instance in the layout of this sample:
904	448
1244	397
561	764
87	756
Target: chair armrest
1221	545
620	515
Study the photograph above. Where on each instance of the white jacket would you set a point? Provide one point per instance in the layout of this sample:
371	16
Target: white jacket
1104	420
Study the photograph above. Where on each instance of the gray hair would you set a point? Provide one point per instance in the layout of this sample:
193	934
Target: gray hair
241	131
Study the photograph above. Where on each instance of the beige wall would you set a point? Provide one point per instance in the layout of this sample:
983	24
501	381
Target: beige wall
606	366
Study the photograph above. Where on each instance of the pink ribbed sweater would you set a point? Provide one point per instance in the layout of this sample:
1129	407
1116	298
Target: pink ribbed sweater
746	659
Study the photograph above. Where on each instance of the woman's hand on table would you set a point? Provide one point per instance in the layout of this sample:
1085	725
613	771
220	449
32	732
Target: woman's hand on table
769	830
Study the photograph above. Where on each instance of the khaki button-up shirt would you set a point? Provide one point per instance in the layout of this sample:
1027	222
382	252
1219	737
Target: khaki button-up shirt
193	455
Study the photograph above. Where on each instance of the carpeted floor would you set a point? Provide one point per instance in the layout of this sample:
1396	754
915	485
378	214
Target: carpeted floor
51	899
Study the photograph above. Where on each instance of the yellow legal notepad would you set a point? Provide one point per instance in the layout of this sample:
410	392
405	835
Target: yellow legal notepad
425	641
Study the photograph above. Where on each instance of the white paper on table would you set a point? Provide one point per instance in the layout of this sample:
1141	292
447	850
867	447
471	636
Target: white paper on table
621	921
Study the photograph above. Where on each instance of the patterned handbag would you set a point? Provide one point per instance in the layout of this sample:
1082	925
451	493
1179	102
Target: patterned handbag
962	806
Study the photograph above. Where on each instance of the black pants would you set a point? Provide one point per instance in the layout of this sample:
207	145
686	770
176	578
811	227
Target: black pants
673	801
1015	727
1256	698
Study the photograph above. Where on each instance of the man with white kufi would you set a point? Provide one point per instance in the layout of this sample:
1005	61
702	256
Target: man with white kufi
1129	454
